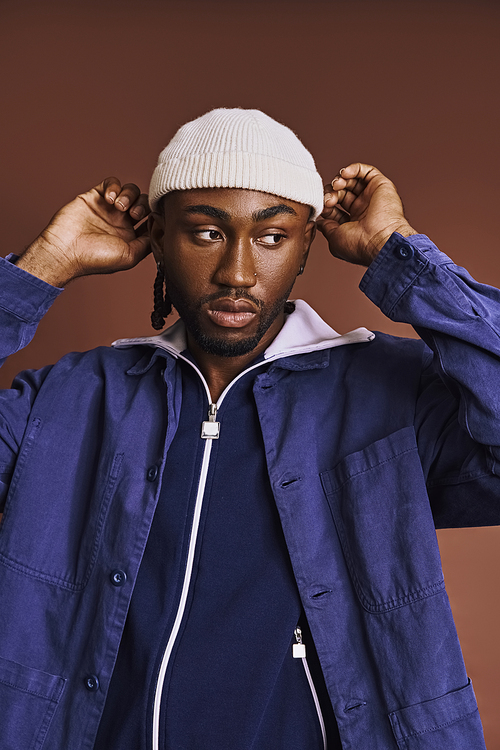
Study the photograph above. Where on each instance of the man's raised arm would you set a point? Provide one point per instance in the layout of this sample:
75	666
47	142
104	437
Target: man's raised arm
93	234
457	419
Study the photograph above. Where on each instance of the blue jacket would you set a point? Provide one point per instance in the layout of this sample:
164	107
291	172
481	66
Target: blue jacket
368	446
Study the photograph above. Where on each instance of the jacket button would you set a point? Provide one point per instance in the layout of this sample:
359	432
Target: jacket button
92	683
152	473
404	251
118	577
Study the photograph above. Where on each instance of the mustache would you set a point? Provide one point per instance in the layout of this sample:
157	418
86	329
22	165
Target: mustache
230	293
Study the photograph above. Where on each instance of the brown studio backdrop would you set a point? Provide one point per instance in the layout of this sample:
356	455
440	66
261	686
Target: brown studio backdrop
409	86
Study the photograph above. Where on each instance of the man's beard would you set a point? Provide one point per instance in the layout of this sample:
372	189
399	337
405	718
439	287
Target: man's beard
219	346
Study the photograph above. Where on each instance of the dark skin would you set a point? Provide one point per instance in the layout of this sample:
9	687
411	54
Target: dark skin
98	233
242	249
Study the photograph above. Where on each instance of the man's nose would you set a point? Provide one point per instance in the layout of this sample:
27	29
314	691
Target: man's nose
236	267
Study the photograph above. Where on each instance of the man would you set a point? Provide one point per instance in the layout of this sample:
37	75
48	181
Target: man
221	536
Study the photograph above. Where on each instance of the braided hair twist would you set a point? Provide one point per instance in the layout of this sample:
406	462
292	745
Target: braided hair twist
162	306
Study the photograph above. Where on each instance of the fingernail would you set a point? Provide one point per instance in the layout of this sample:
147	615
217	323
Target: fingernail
112	197
138	212
123	203
341	170
328	196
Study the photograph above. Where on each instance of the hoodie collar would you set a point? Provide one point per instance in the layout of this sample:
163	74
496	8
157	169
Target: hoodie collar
304	331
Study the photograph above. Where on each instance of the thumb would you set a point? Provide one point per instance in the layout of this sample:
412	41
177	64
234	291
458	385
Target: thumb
140	247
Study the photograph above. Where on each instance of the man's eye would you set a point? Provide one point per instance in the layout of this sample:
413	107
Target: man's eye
272	239
208	234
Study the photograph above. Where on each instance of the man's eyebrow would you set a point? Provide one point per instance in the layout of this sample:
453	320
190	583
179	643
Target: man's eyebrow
262	215
215	213
269	213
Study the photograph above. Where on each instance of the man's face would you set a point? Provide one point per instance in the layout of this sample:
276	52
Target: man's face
231	257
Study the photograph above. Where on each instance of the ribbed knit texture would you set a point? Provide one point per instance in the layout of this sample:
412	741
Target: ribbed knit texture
238	148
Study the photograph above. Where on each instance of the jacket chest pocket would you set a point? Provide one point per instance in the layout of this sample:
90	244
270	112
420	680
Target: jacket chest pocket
28	700
381	511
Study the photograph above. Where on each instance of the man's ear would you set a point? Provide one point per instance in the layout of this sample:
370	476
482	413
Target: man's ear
309	235
156	228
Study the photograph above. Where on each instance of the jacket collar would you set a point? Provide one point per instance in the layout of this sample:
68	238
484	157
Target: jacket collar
303	332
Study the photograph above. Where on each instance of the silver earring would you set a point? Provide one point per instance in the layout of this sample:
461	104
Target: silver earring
301	271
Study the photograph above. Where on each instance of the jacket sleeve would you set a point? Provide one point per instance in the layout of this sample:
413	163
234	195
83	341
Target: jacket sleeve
24	300
457	418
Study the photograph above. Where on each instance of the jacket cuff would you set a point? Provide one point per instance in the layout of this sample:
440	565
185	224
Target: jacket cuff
23	295
397	266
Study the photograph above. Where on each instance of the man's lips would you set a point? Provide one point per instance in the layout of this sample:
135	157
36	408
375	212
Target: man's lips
231	313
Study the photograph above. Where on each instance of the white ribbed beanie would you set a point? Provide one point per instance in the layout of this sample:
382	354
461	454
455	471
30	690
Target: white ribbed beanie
238	148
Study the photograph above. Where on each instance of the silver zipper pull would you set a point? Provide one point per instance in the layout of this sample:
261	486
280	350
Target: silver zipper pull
210	430
299	648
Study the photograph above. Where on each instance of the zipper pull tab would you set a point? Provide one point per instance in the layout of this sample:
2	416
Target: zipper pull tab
210	430
299	648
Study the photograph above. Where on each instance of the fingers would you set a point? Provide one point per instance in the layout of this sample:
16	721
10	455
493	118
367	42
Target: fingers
349	184
140	209
124	198
328	224
338	201
338	215
356	176
353	178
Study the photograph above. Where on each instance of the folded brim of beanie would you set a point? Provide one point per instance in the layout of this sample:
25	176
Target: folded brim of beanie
238	170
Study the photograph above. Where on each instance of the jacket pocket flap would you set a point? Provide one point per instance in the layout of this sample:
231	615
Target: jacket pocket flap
381	452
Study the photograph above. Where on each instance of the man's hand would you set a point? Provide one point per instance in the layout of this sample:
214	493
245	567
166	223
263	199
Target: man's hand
92	234
362	210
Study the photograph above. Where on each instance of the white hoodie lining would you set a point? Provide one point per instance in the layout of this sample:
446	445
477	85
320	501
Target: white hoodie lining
304	331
